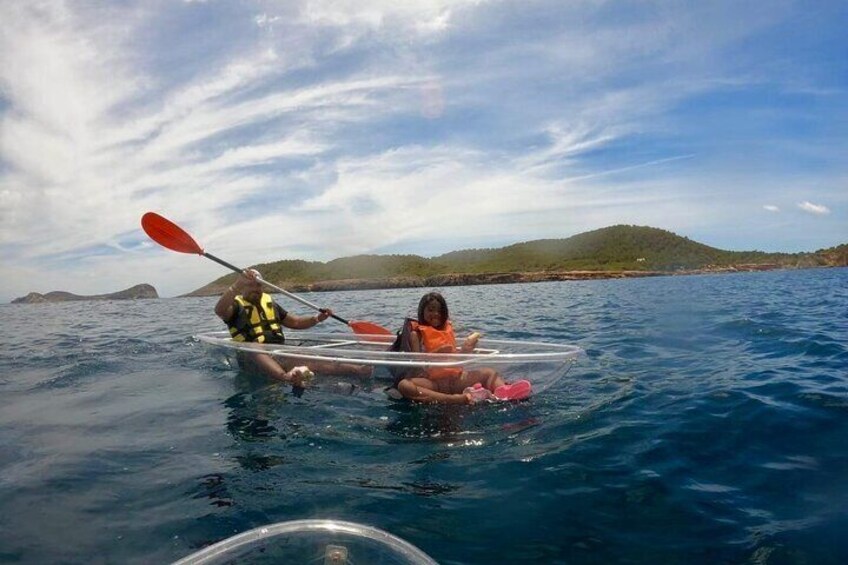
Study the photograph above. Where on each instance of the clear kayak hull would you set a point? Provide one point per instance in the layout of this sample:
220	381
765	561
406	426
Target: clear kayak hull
542	363
332	542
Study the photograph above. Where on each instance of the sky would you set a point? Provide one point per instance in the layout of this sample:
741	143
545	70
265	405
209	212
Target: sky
320	129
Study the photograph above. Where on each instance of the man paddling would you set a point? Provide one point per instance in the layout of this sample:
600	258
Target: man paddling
252	315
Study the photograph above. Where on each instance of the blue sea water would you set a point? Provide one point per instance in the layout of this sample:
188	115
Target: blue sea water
707	424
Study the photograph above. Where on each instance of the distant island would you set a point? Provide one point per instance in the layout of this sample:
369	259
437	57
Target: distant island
137	291
612	252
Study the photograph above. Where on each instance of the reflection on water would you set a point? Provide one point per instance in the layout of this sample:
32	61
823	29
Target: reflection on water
253	407
416	421
214	488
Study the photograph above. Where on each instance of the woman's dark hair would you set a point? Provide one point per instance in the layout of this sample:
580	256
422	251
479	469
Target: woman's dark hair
430	297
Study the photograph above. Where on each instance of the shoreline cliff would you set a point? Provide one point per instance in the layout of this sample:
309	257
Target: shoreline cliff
469	279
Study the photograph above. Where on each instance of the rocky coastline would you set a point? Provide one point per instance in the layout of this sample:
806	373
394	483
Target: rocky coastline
138	291
468	279
144	291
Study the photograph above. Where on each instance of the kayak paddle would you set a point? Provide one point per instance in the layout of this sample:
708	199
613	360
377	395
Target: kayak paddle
168	234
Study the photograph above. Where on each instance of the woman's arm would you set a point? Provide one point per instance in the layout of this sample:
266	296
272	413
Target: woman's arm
415	341
470	343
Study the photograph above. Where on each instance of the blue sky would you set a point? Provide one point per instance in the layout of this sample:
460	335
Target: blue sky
321	129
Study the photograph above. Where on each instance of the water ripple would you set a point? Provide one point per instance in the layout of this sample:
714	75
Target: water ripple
706	424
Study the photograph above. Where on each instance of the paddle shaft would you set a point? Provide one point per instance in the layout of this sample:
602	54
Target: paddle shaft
275	287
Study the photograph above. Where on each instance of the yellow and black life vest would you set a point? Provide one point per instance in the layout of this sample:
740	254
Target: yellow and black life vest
259	324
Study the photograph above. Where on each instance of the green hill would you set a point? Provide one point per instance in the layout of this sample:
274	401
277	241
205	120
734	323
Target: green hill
612	249
356	267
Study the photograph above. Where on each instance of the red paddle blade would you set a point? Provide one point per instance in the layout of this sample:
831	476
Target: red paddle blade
368	328
168	234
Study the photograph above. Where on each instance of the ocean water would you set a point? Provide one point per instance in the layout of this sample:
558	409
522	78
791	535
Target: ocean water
707	424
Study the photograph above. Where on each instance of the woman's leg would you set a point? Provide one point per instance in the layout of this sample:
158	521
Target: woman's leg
421	389
488	378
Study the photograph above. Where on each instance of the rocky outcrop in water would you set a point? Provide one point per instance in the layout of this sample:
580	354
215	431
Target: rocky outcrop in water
132	293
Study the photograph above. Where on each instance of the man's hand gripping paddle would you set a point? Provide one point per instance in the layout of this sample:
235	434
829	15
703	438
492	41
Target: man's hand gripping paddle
168	234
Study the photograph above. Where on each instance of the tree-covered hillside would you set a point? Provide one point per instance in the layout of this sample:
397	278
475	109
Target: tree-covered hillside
616	248
356	267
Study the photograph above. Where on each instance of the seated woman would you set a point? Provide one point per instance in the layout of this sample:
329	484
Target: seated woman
433	333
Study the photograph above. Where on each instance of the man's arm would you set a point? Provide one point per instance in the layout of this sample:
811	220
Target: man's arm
305	322
225	306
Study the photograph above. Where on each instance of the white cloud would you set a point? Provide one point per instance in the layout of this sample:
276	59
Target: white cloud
813	208
424	16
64	173
345	126
451	196
264	20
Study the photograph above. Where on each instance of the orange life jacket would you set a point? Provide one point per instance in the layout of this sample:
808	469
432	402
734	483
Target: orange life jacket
433	340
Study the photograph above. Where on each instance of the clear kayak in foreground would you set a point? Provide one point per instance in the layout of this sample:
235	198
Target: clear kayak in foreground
541	363
331	542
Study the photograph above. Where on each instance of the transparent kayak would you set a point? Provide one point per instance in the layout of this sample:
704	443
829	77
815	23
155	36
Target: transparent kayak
542	363
327	542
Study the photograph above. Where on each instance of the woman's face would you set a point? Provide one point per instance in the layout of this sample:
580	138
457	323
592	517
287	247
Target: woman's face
433	314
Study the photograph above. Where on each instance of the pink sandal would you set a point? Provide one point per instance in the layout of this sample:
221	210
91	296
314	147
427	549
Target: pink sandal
519	390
